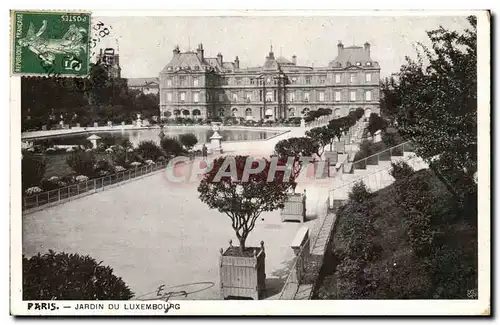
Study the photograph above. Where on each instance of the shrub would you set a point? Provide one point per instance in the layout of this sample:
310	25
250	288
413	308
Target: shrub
81	178
49	185
359	193
32	190
401	170
171	146
149	150
103	165
65	276
188	140
32	170
82	163
119	169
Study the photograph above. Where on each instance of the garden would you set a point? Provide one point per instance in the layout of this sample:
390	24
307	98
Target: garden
46	168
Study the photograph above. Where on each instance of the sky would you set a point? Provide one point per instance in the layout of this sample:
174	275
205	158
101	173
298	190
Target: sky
146	43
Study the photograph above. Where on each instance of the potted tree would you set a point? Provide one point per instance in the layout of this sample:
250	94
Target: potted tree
243	198
294	208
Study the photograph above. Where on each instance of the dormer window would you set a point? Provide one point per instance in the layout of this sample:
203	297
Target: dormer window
169	68
186	68
177	68
368	63
358	64
348	64
197	67
339	64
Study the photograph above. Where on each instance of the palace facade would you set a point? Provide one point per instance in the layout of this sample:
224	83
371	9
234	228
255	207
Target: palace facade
192	85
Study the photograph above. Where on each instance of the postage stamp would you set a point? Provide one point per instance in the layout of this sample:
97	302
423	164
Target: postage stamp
183	165
50	42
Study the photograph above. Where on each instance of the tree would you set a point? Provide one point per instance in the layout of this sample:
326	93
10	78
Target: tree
171	146
296	148
321	136
149	150
243	200
188	140
335	127
375	123
437	105
32	170
82	163
62	276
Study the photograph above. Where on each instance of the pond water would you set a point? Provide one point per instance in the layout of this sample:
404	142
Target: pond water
136	136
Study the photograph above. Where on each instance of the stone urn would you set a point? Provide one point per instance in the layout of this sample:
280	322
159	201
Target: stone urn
216	138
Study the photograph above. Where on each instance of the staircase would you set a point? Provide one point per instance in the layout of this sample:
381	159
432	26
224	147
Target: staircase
373	171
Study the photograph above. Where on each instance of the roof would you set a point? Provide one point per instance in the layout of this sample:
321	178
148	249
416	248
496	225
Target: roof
140	82
352	55
185	60
283	61
228	66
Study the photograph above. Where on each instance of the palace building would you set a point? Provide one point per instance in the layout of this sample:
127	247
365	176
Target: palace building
192	85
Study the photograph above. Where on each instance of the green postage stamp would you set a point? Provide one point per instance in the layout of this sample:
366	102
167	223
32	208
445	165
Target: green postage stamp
50	43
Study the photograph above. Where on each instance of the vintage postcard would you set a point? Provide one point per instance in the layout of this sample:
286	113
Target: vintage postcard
250	163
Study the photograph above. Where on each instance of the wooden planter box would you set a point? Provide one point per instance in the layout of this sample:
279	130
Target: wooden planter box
332	157
295	208
340	146
242	276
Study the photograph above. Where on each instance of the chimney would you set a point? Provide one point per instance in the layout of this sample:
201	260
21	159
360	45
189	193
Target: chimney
367	47
200	52
237	63
294	59
176	50
219	58
340	47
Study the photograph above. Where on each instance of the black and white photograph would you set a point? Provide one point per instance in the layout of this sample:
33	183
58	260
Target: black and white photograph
250	156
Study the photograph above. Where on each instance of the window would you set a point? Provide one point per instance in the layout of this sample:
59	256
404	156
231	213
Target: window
368	95
358	64
368	77
182	81
260	96
183	96
368	63
353	95
308	80
235	97
353	78
293	80
321	96
252	81
169	82
322	80
249	97
291	97
238	81
269	96
337	96
306	97
169	97
221	97
196	97
208	97
195	82
337	78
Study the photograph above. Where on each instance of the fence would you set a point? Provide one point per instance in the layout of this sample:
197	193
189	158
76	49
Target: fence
93	185
384	155
305	267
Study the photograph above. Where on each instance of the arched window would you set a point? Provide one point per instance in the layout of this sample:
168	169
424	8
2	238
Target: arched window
291	112
185	112
337	112
167	113
368	112
177	112
221	112
305	110
234	112
248	112
196	112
